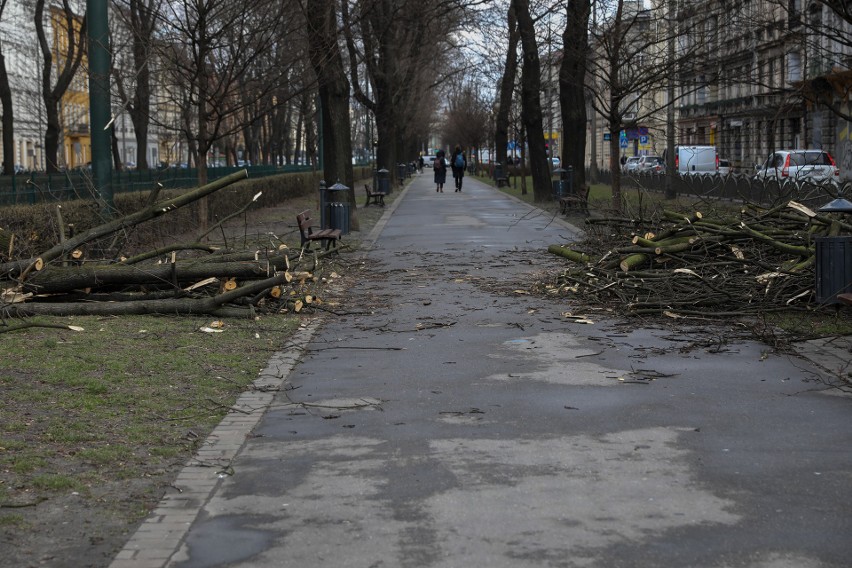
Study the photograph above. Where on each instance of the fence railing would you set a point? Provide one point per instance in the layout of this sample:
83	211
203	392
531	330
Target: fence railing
31	188
742	187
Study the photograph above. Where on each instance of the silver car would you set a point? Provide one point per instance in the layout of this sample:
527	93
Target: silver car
631	165
651	164
799	165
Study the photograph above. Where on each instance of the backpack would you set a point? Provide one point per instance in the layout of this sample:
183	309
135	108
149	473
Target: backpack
459	160
439	164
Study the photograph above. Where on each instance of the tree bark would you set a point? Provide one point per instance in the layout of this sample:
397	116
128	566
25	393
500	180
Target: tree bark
507	87
333	93
8	123
572	88
531	114
214	305
53	280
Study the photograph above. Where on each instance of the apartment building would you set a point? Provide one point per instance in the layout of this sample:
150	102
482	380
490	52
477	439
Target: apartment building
751	77
747	97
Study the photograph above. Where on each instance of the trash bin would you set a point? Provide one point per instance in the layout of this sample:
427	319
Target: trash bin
400	170
563	182
833	268
337	210
383	181
338	216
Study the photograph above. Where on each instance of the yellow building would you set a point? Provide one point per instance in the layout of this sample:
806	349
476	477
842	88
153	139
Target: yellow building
76	148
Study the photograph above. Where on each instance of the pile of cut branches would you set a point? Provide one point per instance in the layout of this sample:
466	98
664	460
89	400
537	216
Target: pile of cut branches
182	278
758	261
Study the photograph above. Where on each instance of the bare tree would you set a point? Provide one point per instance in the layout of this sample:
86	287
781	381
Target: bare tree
333	85
572	87
627	70
403	50
71	29
140	18
507	89
468	117
8	123
531	113
217	54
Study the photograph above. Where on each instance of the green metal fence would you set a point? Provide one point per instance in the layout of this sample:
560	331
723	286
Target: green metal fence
28	189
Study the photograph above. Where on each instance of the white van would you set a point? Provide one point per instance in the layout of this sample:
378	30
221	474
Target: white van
696	160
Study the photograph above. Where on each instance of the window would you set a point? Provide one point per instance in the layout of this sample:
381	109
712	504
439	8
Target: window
794	67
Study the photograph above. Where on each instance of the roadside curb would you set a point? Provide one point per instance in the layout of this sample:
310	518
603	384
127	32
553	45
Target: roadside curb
159	537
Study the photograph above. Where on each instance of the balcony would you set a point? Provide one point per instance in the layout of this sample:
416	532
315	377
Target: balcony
77	129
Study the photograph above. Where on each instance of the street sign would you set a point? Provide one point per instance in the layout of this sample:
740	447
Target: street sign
643	140
623	142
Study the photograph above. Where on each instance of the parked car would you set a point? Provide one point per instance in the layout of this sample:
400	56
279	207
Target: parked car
725	167
631	165
799	165
428	161
651	164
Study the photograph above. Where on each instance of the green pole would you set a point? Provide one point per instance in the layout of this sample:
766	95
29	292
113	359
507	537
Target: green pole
320	137
99	101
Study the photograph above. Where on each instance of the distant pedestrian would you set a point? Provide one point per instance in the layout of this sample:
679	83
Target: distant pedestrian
420	162
459	164
440	167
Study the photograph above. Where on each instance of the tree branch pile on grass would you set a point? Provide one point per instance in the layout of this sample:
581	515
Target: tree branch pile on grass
190	278
761	261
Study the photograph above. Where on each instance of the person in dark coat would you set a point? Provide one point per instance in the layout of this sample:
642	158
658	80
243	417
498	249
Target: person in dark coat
440	167
459	164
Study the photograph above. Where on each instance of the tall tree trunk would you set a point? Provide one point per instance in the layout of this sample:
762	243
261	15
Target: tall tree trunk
507	87
333	93
8	123
572	91
531	115
143	16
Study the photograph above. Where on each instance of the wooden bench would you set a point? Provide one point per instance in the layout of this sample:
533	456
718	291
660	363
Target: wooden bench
502	181
374	197
328	236
578	201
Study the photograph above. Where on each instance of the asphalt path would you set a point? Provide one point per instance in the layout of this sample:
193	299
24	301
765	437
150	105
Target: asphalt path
450	418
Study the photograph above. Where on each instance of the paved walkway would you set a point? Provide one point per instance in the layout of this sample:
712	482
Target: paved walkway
452	419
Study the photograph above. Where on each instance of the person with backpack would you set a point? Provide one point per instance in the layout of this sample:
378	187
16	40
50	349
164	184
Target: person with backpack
440	167
459	165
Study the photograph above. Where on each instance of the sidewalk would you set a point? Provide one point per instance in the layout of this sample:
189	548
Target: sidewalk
453	419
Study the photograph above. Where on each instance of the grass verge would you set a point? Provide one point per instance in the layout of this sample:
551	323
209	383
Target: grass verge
110	414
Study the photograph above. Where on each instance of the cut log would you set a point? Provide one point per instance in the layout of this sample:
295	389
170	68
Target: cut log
56	279
633	261
565	252
214	305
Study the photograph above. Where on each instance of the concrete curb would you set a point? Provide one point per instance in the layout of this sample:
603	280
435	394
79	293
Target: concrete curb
160	535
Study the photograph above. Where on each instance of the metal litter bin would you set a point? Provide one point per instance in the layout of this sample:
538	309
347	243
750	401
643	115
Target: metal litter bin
337	209
383	181
833	268
338	216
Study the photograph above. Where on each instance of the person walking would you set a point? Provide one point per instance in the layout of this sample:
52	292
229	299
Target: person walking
459	165
440	167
